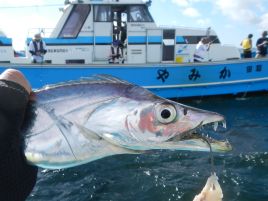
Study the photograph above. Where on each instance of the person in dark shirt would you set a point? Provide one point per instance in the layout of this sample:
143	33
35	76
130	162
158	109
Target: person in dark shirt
115	53
262	44
37	49
17	177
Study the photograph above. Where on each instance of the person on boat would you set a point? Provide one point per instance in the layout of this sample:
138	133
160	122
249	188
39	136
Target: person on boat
247	46
200	54
37	48
123	32
262	44
17	177
115	52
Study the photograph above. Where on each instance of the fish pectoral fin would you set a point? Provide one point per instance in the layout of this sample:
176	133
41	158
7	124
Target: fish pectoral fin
117	140
87	133
109	138
67	126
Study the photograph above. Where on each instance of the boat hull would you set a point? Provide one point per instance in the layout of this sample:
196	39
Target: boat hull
166	80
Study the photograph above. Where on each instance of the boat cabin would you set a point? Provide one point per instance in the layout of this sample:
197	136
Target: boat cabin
120	31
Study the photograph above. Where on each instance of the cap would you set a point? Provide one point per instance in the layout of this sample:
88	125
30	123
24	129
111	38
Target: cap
37	36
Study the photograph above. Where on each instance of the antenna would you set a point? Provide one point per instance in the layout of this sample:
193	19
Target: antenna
149	3
66	2
208	31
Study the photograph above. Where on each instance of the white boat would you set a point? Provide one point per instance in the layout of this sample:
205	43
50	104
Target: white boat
157	58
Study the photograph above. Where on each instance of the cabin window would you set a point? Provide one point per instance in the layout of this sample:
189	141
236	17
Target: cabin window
102	13
75	21
139	14
196	39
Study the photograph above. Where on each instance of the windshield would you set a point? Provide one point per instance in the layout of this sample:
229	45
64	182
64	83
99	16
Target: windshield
139	13
76	20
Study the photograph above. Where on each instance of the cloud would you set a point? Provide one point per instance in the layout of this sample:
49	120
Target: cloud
188	3
21	3
204	22
263	24
182	3
246	11
191	12
186	7
239	10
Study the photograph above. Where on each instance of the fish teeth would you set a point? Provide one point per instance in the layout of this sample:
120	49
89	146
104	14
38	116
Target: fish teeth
224	124
215	126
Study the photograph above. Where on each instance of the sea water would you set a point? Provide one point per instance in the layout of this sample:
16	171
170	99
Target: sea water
175	175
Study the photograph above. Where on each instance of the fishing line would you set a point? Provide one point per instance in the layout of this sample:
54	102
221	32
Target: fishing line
211	154
211	158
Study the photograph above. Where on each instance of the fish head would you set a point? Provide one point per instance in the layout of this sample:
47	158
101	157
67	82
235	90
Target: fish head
166	124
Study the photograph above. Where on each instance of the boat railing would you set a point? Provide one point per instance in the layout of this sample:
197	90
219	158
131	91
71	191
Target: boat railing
182	27
45	32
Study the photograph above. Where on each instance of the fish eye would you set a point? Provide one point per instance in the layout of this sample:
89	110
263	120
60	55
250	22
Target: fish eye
166	113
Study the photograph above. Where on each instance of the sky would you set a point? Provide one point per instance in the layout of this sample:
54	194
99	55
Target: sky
232	20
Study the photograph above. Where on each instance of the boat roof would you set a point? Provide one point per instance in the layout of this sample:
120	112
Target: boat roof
109	2
2	33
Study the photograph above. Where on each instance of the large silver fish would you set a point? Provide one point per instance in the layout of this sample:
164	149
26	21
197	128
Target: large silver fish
82	121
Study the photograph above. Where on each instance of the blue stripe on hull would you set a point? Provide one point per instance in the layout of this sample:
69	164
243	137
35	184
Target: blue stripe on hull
137	40
212	90
154	39
77	41
100	40
103	40
167	80
4	41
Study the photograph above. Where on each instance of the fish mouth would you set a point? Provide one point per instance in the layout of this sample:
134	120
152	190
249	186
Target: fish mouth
202	138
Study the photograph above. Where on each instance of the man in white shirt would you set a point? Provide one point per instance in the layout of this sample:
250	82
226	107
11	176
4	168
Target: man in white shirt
37	48
201	50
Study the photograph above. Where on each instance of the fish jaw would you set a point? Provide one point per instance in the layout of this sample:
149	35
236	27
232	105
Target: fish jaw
199	143
198	138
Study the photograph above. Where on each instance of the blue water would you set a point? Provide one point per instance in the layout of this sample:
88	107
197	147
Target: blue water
175	175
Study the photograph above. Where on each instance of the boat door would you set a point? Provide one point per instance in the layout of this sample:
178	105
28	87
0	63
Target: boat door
109	26
119	16
102	32
168	45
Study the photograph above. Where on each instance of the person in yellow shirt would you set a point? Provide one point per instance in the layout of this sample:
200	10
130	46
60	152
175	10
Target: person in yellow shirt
247	46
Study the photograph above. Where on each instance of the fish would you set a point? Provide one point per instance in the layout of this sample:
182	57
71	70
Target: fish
80	121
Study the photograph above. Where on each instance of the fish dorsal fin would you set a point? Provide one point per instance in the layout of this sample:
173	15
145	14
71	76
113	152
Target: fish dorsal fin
94	79
104	78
